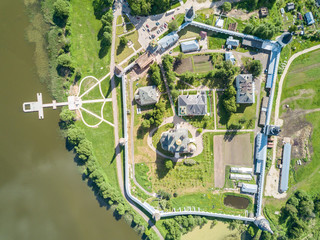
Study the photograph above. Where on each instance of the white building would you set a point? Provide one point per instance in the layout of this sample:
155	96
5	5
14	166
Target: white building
168	41
245	177
219	23
229	57
249	188
232	42
241	170
190	46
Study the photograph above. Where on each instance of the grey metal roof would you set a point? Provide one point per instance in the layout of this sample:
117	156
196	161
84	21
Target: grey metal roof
285	167
168	40
192	105
176	140
249	188
190	14
252	43
147	95
261	146
309	18
189	46
233	42
290	6
245	88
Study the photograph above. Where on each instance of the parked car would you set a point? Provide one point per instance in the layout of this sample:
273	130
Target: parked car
143	29
150	37
148	30
147	26
157	23
158	32
172	18
165	26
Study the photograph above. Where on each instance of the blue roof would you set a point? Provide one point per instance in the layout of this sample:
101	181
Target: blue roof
285	167
261	147
271	69
309	18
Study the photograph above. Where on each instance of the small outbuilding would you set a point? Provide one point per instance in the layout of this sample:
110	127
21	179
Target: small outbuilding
309	18
147	95
290	6
245	177
263	12
249	188
190	46
203	34
219	23
229	57
233	26
190	15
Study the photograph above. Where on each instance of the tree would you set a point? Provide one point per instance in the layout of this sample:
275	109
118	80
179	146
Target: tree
84	149
175	94
75	135
265	31
226	7
107	19
145	124
293	28
67	117
64	60
106	40
251	231
173	26
229	100
255	67
179	57
123	41
169	164
61	9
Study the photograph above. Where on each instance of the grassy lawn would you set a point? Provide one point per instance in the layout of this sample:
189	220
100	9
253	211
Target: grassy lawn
84	31
141	174
189	32
303	79
207	202
245	115
124	52
119	20
201	16
217	40
119	30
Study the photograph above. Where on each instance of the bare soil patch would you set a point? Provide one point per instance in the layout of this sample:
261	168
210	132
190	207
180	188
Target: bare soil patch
299	130
243	15
233	150
184	66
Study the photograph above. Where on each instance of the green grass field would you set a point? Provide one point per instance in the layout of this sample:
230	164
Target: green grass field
141	174
124	52
84	31
303	75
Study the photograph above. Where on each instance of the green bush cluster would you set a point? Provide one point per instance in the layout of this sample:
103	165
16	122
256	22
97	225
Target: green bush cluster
155	74
300	208
167	62
154	117
147	7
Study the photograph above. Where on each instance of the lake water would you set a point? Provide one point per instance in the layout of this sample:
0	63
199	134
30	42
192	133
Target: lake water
42	195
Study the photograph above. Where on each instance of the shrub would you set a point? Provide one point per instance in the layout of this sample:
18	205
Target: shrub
189	162
169	164
84	149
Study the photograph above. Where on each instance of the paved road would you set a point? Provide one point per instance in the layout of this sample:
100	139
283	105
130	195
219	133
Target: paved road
272	181
116	122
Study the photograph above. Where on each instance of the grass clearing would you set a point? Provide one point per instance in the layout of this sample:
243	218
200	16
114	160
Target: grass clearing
119	20
141	174
119	30
245	115
84	33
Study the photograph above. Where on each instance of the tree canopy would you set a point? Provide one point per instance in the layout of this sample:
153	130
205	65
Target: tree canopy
255	67
226	6
61	9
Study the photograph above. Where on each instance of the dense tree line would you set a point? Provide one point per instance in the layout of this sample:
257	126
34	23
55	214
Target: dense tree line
155	74
182	224
167	62
300	208
76	139
149	7
264	30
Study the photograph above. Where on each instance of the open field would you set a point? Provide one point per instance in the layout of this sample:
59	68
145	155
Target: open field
302	82
84	31
233	150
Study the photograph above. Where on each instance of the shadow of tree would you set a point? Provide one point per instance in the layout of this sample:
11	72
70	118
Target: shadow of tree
161	170
60	22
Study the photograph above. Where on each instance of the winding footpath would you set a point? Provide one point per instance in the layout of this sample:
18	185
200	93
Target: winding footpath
272	183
